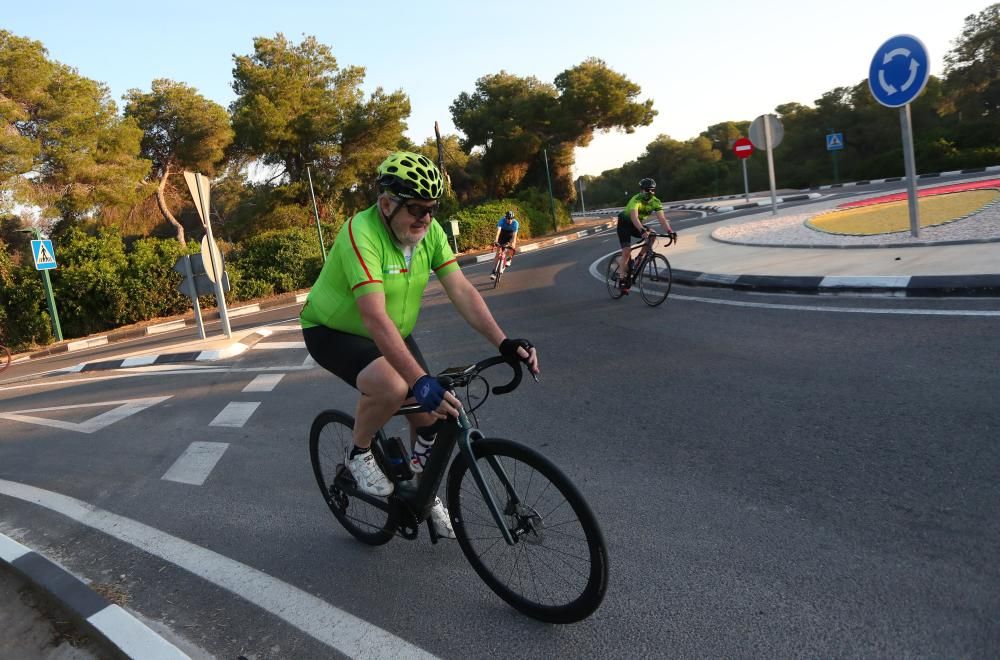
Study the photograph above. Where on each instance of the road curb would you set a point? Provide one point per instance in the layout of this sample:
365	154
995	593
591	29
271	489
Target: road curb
929	175
180	323
907	285
480	257
232	350
110	623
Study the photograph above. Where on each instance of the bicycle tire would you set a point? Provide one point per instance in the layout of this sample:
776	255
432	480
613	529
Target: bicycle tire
655	279
576	556
498	271
4	358
611	277
329	437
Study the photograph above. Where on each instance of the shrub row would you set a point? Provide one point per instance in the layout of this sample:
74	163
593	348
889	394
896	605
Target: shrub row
104	282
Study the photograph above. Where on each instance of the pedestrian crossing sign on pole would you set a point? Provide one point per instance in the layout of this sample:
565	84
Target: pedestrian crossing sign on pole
45	256
834	141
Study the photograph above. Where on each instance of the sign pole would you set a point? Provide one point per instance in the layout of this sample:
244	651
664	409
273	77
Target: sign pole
189	275
909	162
50	299
746	184
770	164
220	295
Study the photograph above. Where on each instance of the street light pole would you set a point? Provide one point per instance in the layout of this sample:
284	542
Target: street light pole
319	229
552	204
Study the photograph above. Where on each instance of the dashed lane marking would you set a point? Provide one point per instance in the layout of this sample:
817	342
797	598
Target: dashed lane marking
264	383
235	414
340	630
196	463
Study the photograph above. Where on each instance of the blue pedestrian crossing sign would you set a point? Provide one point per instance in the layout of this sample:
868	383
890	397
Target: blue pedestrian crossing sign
834	141
45	256
899	71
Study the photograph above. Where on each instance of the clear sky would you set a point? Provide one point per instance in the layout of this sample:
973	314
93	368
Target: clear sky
700	61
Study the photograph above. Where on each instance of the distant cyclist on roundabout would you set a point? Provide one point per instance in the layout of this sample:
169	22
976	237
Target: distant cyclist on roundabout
642	205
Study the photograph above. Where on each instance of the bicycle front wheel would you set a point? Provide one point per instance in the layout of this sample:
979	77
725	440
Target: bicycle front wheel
4	358
612	276
557	569
655	279
330	437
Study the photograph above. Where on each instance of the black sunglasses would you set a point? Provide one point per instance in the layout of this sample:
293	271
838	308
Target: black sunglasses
419	210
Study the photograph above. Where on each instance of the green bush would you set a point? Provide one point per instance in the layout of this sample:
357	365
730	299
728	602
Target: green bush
87	284
477	225
24	321
287	260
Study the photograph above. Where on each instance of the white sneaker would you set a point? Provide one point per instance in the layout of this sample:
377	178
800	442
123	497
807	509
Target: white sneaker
421	452
508	264
366	472
493	276
441	520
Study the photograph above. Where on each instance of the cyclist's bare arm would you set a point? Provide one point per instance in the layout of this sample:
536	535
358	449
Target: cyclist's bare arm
664	223
635	220
471	306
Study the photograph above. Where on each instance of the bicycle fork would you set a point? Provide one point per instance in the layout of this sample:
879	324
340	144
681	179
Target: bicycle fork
465	447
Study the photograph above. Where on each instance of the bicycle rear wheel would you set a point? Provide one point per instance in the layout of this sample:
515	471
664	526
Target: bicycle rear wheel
655	279
557	569
329	438
611	277
4	358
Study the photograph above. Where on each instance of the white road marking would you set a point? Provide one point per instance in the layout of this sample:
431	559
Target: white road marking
344	632
196	463
151	371
122	410
309	362
596	274
278	344
235	414
264	383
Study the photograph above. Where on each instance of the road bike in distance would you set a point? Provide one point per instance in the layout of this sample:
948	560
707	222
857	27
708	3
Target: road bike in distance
650	271
501	257
521	523
4	358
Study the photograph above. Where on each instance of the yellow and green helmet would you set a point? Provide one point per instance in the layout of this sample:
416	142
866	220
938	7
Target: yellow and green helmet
407	174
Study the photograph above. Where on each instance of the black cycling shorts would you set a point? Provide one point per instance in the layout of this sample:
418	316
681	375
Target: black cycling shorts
627	231
346	355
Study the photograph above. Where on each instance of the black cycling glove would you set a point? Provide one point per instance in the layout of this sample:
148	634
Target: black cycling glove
508	348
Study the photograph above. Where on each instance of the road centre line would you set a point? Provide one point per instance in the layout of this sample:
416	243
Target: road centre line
196	463
811	308
235	414
342	631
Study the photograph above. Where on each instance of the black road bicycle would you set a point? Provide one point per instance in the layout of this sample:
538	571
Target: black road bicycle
522	524
651	271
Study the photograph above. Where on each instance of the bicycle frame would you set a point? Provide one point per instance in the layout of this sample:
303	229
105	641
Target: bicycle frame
421	498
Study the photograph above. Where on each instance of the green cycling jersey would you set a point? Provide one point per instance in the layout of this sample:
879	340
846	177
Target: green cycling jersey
364	259
645	206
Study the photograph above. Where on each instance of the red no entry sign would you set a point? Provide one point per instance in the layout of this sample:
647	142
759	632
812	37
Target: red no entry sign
743	148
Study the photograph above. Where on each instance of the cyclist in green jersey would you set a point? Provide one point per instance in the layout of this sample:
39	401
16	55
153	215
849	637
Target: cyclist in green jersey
359	316
630	220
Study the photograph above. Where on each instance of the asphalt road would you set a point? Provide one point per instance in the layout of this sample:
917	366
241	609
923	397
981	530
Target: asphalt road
775	476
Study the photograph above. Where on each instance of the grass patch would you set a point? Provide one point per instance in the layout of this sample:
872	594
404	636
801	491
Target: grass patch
893	217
